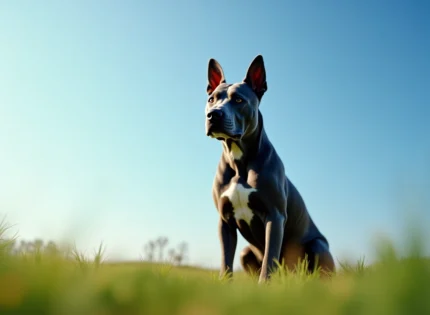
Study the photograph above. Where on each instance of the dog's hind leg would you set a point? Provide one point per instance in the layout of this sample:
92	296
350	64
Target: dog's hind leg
251	260
320	257
292	254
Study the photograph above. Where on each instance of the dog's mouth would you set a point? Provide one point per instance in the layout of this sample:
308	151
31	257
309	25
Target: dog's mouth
223	131
223	135
234	138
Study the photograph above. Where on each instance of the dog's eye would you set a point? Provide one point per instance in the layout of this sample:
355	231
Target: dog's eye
211	99
238	100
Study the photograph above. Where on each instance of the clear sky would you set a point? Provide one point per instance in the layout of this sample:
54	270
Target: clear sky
102	116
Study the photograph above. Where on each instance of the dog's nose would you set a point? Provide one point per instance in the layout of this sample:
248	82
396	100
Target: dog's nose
214	115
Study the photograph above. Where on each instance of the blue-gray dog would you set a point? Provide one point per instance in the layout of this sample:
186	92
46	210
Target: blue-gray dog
251	191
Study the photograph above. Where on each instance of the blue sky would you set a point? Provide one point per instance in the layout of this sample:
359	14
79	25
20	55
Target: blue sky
102	116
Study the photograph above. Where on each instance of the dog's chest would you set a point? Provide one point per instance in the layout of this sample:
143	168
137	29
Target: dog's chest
238	196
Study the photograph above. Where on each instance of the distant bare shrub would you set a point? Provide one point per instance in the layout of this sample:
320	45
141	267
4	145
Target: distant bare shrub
175	256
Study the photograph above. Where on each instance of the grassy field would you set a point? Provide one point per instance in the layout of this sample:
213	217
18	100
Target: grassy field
56	283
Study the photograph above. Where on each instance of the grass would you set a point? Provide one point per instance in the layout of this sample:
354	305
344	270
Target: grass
67	282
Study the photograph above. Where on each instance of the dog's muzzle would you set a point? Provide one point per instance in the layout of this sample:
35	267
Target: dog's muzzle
214	122
214	115
219	126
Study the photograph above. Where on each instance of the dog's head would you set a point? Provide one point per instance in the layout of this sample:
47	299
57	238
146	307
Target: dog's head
232	109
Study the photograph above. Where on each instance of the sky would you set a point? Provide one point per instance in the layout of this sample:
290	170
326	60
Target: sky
102	117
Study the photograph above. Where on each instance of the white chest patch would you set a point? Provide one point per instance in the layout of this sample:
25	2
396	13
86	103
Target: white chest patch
235	152
239	197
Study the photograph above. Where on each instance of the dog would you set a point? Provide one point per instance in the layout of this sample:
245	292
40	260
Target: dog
251	191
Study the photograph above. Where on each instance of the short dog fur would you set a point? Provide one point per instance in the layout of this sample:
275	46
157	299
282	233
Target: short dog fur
251	191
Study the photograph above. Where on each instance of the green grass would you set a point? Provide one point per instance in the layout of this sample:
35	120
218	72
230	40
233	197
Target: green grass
66	282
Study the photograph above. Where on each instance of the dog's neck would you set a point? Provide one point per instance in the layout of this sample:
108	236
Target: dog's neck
239	152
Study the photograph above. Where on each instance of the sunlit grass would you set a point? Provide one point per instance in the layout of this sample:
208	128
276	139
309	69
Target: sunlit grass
69	282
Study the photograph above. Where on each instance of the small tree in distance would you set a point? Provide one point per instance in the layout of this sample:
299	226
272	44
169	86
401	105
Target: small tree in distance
174	256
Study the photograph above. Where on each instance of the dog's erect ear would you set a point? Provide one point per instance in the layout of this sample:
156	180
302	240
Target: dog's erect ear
256	76
215	75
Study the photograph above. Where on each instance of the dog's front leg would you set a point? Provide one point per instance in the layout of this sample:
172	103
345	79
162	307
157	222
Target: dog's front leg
228	238
274	228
